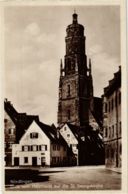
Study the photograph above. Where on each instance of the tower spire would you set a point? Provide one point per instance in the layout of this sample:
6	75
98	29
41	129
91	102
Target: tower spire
75	17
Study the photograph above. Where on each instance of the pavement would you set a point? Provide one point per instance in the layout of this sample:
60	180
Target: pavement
66	178
118	170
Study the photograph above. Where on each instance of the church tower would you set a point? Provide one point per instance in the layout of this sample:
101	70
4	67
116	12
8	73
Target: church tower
75	84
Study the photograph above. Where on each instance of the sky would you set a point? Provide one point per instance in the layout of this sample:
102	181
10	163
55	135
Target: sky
35	43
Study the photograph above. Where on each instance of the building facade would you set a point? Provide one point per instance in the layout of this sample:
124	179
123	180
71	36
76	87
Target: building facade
15	125
9	138
39	146
77	107
112	121
70	135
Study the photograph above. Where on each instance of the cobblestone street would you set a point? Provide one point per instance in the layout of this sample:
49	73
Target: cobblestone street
69	178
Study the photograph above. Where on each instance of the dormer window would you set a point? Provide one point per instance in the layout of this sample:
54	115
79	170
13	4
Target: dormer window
33	135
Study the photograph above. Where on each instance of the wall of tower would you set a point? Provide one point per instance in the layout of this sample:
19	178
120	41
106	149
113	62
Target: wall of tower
68	108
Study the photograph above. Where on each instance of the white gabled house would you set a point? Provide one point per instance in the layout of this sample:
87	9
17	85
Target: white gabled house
69	133
40	146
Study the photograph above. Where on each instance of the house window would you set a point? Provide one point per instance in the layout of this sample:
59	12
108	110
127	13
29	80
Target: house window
10	145
65	128
113	131
106	132
109	106
105	107
83	138
43	160
39	148
22	148
109	131
31	148
60	106
9	131
68	135
43	147
25	159
54	147
120	149
34	148
25	148
5	120
33	135
112	104
74	146
58	147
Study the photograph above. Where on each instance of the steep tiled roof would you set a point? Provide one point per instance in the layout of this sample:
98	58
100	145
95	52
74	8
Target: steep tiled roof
92	138
52	133
74	130
114	83
21	120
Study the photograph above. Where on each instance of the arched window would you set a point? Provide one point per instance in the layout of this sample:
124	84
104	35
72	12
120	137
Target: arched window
112	153
68	90
105	107
106	132
119	97
109	106
112	104
120	149
68	114
116	101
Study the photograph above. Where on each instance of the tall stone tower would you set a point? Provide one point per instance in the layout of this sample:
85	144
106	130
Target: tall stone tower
75	85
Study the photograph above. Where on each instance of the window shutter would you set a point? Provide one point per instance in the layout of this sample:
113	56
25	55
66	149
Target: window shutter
22	148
